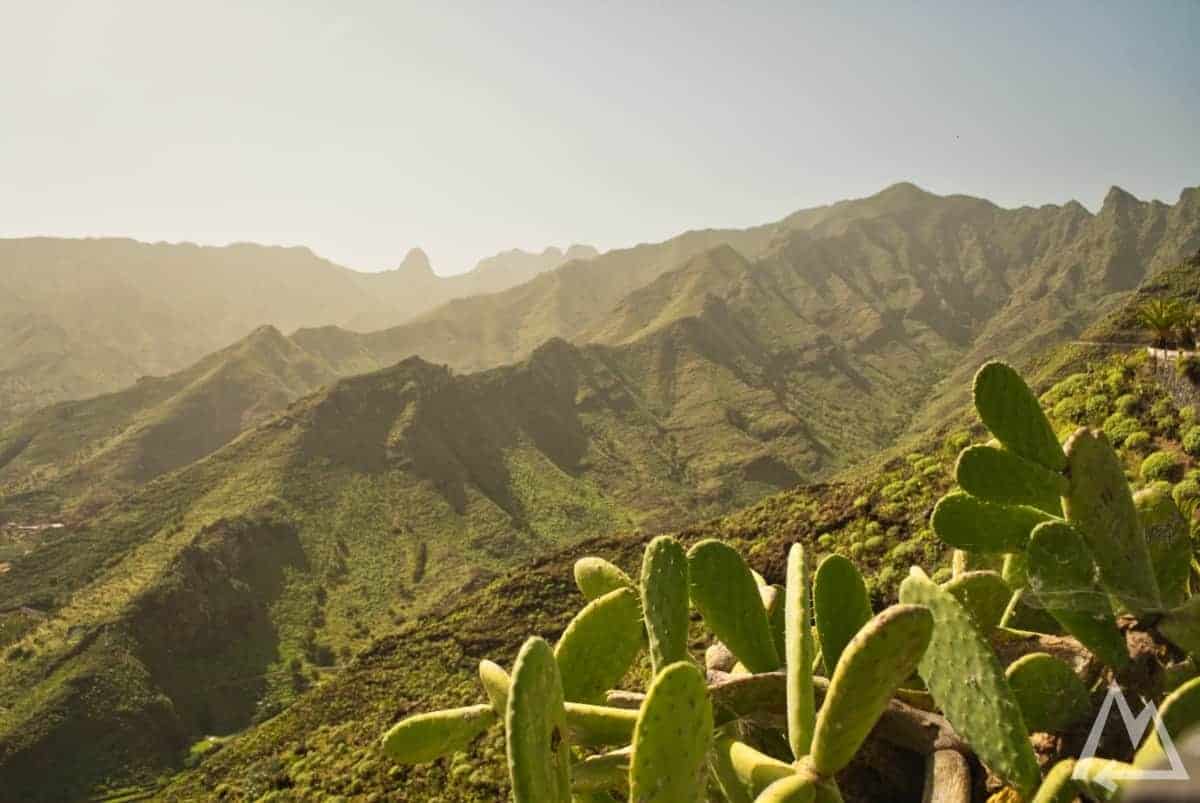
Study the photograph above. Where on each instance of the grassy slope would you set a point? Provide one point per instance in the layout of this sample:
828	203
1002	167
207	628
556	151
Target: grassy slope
327	742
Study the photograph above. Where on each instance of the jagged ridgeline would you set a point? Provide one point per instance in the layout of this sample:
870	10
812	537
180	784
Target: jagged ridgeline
1065	581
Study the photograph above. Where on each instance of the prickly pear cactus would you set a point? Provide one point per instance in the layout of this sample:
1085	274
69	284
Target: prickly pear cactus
672	739
1169	540
428	736
985	595
841	605
796	788
1051	695
1060	571
596	577
536	727
965	678
599	645
975	525
1099	503
665	601
799	652
877	660
726	594
1012	413
997	475
1179	713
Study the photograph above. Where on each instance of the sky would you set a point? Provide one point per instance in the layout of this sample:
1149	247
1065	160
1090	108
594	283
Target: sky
362	129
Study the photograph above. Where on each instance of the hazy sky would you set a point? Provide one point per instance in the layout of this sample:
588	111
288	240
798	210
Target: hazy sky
364	128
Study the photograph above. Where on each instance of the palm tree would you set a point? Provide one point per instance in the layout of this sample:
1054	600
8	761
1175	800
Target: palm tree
1161	316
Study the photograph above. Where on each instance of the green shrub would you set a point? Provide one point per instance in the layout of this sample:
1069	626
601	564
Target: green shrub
1191	441
1069	409
1126	404
1167	426
956	442
1188	414
874	543
1165	466
1118	427
1073	385
1188	367
1163	408
893	490
1138	442
1096	407
1187	494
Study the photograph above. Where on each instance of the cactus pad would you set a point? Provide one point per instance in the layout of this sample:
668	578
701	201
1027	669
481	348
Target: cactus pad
1058	786
599	645
997	475
1051	695
841	605
665	601
725	593
425	737
1167	537
965	678
536	727
1100	505
985	595
877	660
1011	412
798	650
975	525
596	577
1182	626
755	770
672	738
1060	571
796	788
599	725
495	684
1180	712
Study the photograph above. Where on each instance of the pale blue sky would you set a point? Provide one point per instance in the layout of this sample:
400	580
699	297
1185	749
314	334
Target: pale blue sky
364	128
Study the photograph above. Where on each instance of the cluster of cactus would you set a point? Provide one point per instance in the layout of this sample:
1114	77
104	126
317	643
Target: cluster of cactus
799	677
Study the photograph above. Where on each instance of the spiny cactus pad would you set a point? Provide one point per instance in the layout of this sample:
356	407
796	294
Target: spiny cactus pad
796	788
975	525
599	645
665	601
1167	537
1060	571
1182	626
596	577
672	738
985	595
997	475
1100	505
841	605
536	728
1180	712
773	599
754	769
725	593
880	657
798	651
425	737
1058	786
1051	695
965	678
1012	413
495	683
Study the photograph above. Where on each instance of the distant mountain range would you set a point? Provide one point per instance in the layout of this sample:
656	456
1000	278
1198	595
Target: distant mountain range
291	497
82	317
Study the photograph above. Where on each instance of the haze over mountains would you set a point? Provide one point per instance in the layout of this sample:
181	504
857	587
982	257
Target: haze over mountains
293	495
81	317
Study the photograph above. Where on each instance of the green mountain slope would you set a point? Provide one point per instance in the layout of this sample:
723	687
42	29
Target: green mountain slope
85	454
327	743
82	317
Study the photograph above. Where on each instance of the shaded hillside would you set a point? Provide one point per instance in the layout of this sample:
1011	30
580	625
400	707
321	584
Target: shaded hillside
82	317
327	743
86	453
